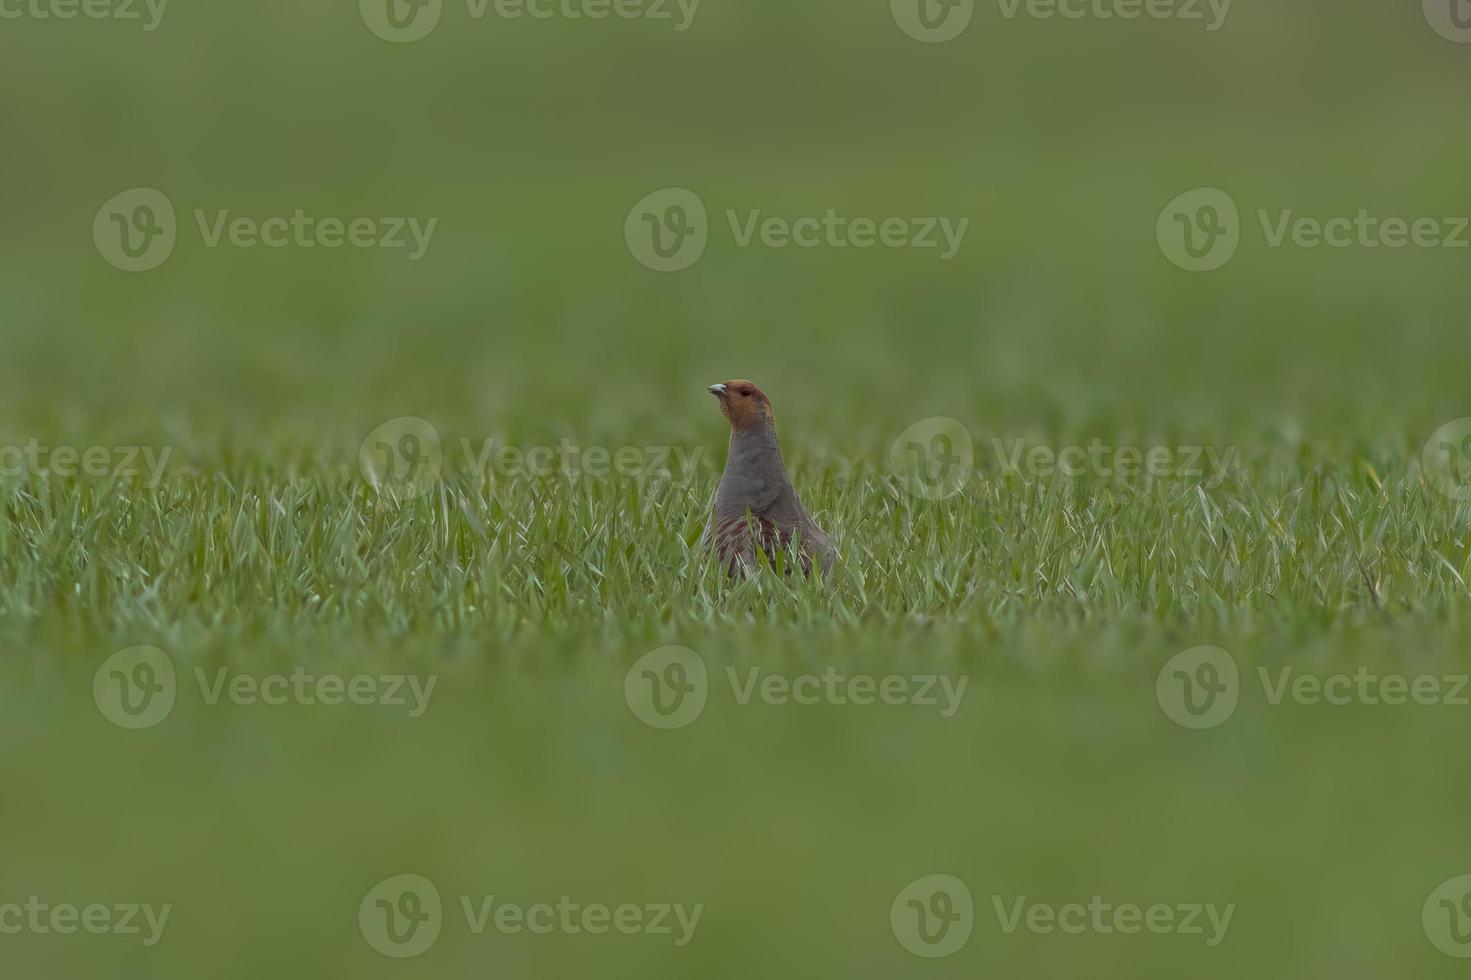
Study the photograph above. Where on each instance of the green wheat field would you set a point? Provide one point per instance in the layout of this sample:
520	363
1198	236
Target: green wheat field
324	563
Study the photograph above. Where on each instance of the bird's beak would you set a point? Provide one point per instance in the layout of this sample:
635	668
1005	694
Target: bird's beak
717	390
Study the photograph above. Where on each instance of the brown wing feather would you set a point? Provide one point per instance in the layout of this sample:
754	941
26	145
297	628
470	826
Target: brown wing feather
736	541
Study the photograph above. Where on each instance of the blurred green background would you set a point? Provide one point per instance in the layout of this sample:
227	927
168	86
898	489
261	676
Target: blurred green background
529	320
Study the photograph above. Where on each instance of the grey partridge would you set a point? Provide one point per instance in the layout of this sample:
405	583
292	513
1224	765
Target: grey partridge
756	506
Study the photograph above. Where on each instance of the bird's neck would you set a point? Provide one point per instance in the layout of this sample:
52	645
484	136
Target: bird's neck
757	440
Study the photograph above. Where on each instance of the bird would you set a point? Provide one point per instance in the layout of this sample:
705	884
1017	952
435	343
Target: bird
756	504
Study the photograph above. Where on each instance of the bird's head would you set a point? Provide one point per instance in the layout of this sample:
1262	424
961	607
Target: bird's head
744	404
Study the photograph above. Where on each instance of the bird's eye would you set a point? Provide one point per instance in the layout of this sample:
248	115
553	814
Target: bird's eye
745	392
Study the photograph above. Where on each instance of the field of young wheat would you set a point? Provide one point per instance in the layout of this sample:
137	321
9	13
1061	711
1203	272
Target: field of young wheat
356	452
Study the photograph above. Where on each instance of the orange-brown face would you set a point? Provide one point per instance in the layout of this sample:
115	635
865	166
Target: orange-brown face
743	403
